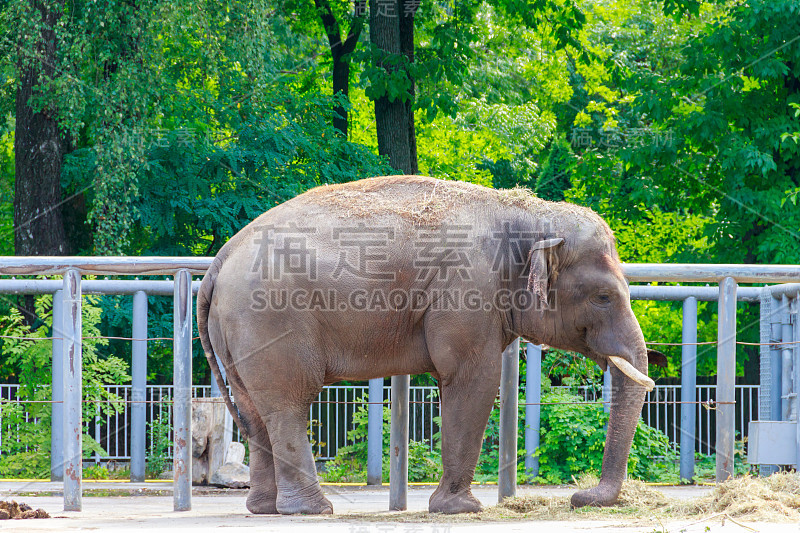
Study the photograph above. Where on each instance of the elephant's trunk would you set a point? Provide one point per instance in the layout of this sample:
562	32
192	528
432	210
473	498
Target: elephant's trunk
626	406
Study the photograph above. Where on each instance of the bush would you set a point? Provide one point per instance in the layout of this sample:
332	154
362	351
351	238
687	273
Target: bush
582	425
350	463
159	460
28	455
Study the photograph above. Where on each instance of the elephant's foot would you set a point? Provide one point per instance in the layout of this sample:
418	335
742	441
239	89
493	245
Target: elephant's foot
262	502
310	500
597	497
443	501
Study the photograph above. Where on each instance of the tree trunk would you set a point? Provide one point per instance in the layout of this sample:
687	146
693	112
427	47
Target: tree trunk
341	85
38	150
407	13
339	49
391	117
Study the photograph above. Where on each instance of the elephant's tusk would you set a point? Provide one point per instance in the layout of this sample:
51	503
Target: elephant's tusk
630	371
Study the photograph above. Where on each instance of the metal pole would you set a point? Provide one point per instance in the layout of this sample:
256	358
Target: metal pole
139	385
688	387
533	411
398	437
182	379
215	392
776	365
509	415
228	419
375	432
73	391
786	358
607	390
726	378
796	328
57	417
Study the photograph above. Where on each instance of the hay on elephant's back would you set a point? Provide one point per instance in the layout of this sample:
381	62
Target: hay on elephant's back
424	201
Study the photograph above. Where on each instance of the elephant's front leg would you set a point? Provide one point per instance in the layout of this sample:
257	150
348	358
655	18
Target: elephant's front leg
467	398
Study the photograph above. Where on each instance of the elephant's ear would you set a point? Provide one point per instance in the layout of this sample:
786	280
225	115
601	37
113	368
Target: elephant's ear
544	267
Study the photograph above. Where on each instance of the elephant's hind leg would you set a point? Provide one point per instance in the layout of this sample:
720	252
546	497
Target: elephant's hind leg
298	489
263	495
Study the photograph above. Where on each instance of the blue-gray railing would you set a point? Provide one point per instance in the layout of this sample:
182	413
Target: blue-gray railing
67	357
332	418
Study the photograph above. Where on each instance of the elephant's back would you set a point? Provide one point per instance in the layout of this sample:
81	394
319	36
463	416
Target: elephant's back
415	200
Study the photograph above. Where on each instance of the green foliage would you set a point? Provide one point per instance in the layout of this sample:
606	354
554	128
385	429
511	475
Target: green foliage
29	454
158	460
96	472
581	424
350	463
571	369
555	176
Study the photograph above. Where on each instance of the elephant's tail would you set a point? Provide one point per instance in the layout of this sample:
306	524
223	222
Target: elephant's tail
203	306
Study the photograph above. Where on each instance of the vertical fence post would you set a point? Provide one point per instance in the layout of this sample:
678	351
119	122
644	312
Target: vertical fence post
215	391
398	448
533	409
688	387
796	366
57	416
607	390
73	390
228	419
138	386
375	432
775	364
182	396
769	397
726	378
509	415
786	358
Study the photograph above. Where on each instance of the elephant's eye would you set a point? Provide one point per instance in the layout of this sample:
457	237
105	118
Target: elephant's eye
602	299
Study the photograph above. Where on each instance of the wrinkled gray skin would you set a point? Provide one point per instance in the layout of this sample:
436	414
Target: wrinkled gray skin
278	361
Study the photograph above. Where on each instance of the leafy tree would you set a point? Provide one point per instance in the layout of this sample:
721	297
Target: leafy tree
555	176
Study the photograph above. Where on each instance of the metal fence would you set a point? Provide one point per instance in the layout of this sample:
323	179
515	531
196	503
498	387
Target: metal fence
67	348
334	415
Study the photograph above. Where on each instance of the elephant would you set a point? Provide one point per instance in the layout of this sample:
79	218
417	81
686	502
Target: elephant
405	275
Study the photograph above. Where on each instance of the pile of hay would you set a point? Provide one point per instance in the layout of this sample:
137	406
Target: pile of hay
774	498
14	510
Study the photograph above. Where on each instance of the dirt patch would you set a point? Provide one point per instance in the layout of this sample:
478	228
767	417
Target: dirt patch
772	499
17	511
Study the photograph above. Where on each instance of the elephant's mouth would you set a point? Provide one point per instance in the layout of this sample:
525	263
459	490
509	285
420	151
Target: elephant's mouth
629	370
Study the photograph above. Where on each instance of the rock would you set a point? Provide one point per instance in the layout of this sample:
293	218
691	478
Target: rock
235	453
232	475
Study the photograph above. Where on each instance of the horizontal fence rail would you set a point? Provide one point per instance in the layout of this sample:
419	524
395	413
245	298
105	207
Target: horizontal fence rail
334	415
154	266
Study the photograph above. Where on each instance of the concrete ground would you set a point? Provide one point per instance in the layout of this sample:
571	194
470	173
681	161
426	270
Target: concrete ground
123	507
